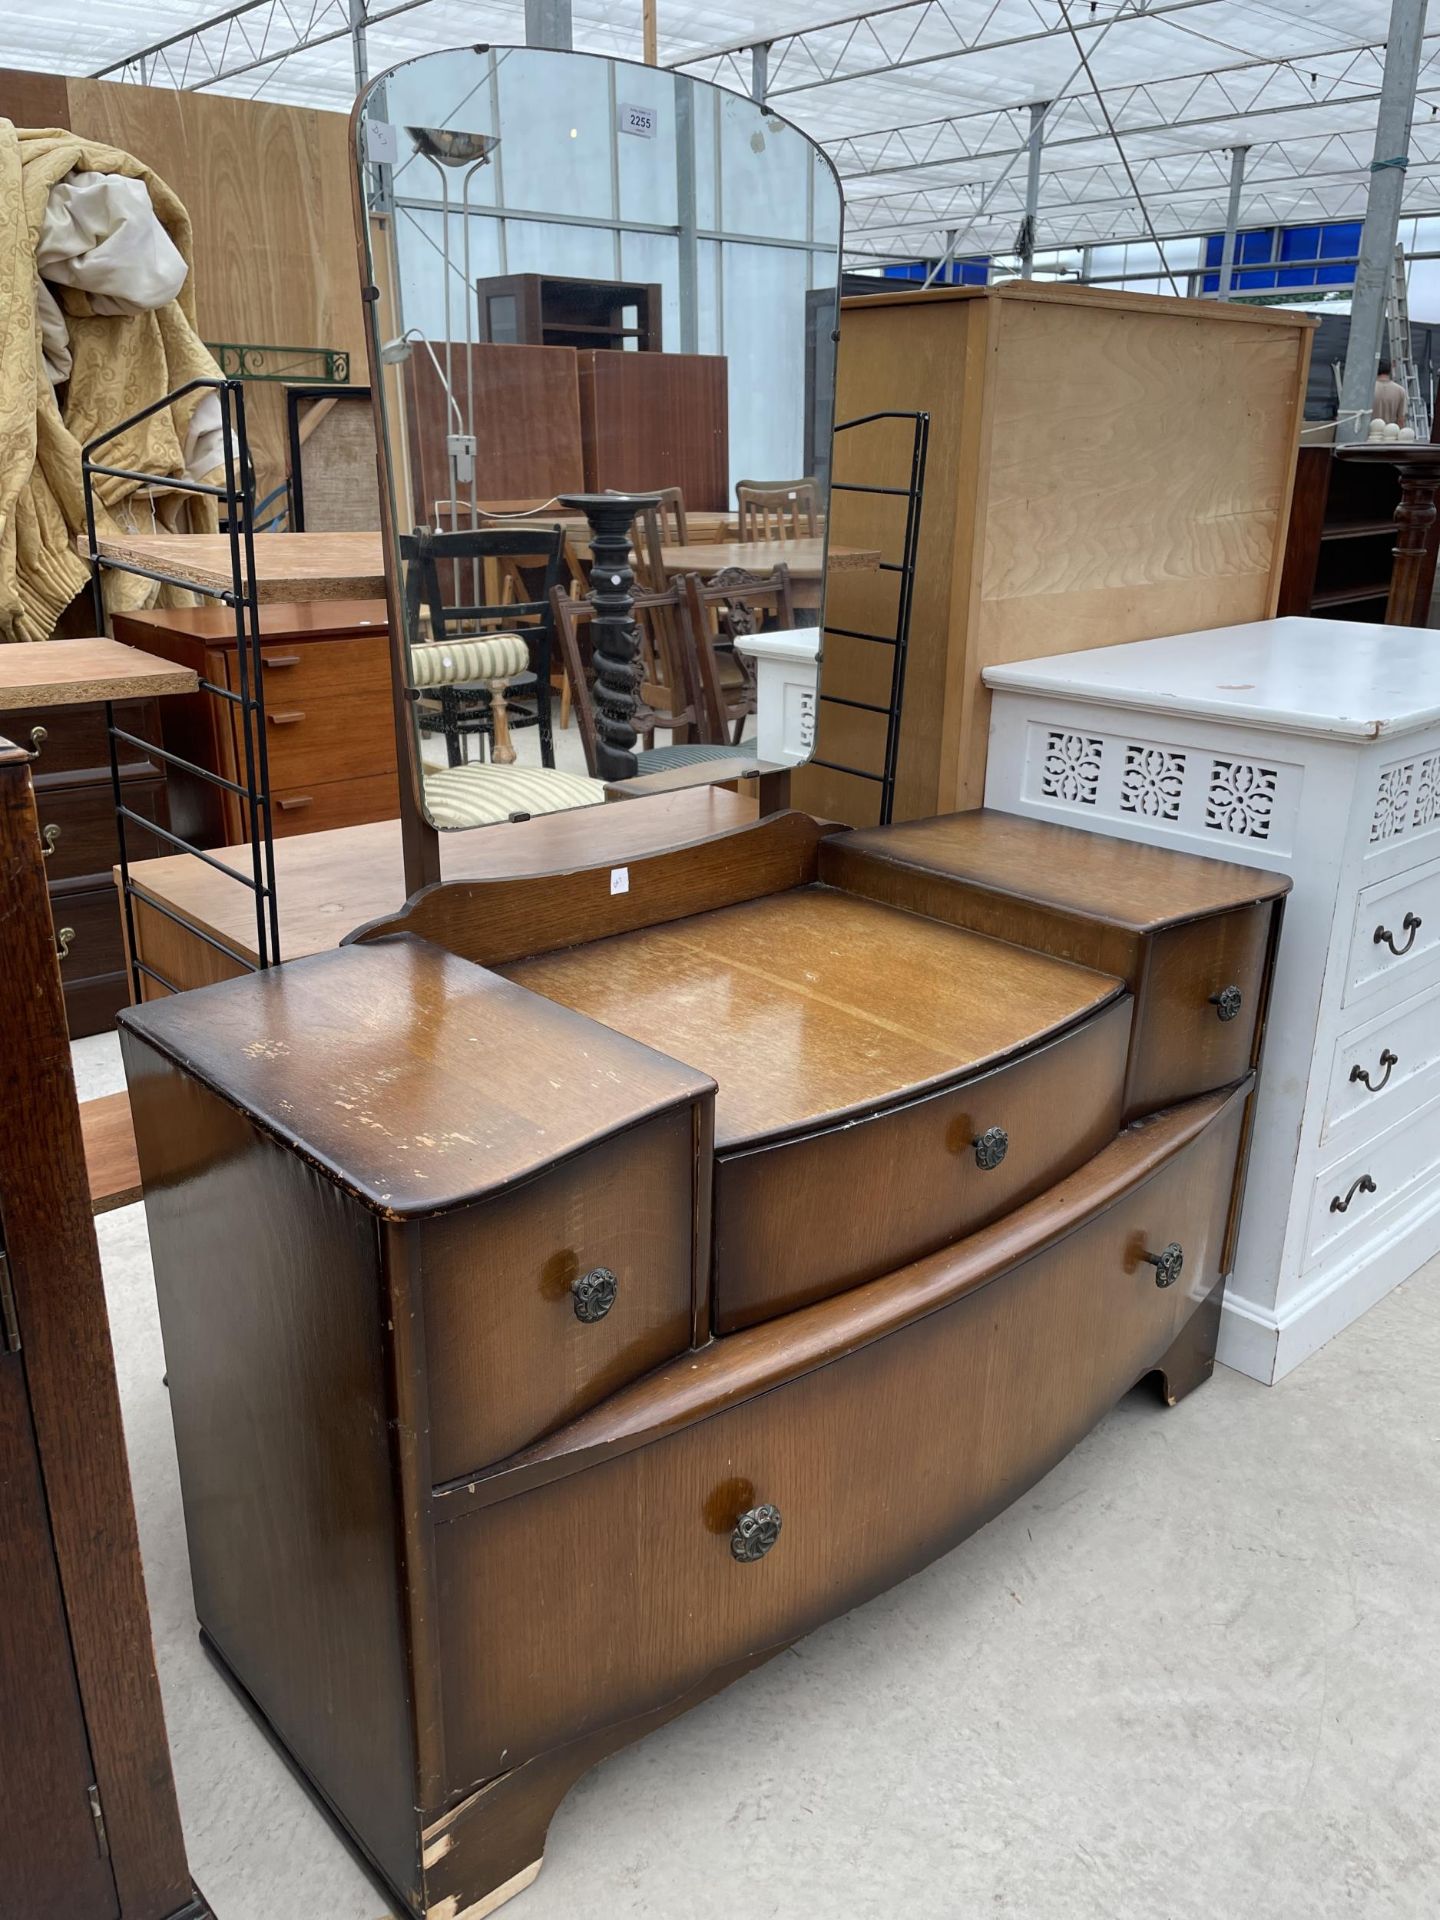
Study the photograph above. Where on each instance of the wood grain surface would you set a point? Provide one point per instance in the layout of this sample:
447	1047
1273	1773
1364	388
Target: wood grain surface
809	1006
288	566
111	1164
328	883
54	673
1001	1382
408	1074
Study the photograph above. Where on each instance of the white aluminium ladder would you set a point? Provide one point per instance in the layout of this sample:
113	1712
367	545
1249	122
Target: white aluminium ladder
1402	353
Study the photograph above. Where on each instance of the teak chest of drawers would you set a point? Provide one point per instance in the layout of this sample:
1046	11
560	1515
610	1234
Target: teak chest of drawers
556	1226
1312	748
329	728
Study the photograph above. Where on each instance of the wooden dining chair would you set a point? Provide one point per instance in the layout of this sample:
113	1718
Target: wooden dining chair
728	605
658	709
778	509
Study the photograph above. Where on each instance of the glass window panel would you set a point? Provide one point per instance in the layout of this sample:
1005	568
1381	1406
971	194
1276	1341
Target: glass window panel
646	164
655	257
560	153
764	305
765	164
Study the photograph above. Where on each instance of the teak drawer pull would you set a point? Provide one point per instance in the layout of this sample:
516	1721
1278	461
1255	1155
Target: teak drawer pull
295	802
285	719
594	1294
1168	1264
1388	1061
1363	1185
1228	1002
991	1148
64	936
755	1534
281	659
1411	924
48	835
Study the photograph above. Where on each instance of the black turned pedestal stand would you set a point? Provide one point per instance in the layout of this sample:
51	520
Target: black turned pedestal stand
617	638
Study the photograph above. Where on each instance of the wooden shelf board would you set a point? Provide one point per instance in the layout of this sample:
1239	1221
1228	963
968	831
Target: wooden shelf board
74	673
111	1164
1342	596
1358	529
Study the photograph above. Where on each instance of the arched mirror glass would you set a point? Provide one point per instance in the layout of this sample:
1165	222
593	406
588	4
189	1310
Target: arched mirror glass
602	354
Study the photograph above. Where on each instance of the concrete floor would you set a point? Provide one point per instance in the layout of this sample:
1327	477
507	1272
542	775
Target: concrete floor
1194	1675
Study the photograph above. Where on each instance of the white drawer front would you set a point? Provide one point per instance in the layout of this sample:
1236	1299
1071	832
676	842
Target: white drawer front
1397	932
1398	1053
1350	1196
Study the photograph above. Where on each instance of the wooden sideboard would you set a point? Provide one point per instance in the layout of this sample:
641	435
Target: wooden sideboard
91	1829
1339	551
1103	466
667	1267
329	725
651	420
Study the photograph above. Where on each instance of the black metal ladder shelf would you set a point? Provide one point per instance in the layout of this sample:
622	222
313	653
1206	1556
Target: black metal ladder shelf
236	499
899	640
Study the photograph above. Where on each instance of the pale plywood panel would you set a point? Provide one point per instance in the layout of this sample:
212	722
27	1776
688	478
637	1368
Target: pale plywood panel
337	464
1138	482
267	189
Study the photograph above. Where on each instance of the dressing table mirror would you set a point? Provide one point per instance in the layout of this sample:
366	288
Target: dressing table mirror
602	304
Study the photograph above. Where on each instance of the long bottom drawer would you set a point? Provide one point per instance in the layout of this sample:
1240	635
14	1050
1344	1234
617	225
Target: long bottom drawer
602	1594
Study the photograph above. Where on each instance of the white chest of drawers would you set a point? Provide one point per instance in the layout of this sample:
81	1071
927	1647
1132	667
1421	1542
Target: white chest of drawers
1311	747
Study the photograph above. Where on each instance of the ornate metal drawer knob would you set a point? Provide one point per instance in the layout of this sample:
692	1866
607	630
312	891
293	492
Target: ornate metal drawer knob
1388	1061
755	1534
1168	1264
991	1148
1363	1185
1228	1002
63	937
594	1294
1411	924
48	836
38	737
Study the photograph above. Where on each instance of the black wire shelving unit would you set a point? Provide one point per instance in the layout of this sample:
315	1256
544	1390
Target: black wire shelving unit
899	640
236	501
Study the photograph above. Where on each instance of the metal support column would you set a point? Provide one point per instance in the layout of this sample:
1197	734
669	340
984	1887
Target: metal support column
547	24
1033	149
357	44
686	216
1232	220
1382	216
759	72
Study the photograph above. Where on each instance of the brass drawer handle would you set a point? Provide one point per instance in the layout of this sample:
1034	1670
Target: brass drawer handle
991	1148
594	1294
1411	924
1363	1185
38	737
63	939
1168	1264
1228	1002
755	1534
1388	1061
285	719
48	835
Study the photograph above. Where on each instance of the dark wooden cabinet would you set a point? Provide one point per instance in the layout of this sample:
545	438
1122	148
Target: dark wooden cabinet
574	1291
656	420
329	725
521	405
551	310
75	802
89	1828
1339	550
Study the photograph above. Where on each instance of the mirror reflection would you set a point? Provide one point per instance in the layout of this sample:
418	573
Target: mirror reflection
598	279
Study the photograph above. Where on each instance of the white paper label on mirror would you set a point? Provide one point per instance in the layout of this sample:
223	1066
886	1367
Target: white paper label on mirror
638	120
619	879
382	143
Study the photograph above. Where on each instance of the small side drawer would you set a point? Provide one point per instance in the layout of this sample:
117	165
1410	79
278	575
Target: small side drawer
1196	1005
78	823
316	671
336	737
1384	1068
97	939
73	739
808	1217
513	1349
333	803
1396	933
1373	1179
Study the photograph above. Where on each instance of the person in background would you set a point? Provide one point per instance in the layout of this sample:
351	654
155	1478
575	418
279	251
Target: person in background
1389	398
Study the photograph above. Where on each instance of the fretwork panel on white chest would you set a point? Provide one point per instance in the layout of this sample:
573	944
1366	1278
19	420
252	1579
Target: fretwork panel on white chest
1310	747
